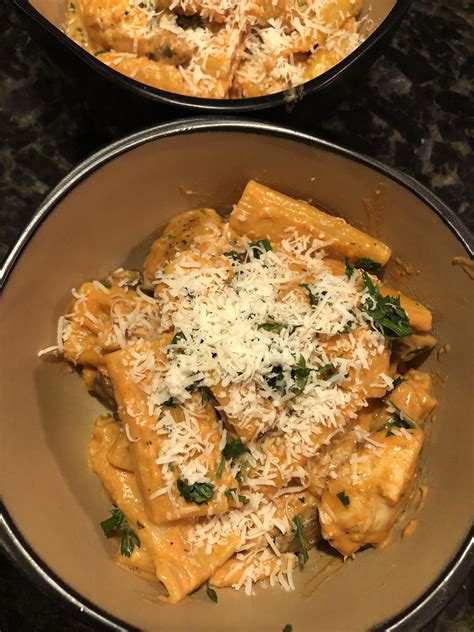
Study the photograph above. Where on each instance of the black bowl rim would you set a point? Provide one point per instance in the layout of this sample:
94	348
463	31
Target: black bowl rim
444	586
223	106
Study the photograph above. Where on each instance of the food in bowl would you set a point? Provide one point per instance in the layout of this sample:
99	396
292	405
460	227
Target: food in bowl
218	49
257	373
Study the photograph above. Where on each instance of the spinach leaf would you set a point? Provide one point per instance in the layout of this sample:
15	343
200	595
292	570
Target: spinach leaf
369	265
389	318
198	493
349	268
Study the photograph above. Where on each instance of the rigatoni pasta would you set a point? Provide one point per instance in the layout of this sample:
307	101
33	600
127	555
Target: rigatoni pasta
217	48
261	397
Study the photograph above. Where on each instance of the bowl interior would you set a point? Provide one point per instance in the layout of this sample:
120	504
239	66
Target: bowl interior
108	220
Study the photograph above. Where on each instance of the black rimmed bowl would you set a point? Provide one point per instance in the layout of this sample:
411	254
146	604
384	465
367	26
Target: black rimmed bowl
121	98
104	215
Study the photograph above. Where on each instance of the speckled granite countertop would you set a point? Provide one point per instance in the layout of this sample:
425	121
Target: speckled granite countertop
414	111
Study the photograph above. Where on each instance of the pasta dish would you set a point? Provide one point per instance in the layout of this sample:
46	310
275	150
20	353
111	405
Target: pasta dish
217	49
257	373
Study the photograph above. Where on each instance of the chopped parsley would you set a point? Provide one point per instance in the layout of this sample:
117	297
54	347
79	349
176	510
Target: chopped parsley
369	265
198	493
170	403
118	523
300	373
256	247
349	268
233	490
364	263
274	378
397	381
220	468
327	371
345	500
207	395
177	337
288	628
347	328
278	327
401	414
234	449
314	297
302	542
389	318
211	593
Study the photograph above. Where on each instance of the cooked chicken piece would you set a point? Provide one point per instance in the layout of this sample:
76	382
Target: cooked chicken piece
201	226
331	456
363	503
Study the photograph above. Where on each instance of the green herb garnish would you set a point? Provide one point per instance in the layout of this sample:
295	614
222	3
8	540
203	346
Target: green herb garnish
256	247
177	337
349	268
314	297
277	327
233	490
345	500
287	628
327	371
300	373
274	378
220	469
301	540
273	327
397	381
236	255
389	318
400	412
189	21
211	593
198	493
369	265
207	395
347	328
234	449
118	523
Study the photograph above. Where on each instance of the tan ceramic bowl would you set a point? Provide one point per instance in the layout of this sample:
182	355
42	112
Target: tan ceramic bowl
104	215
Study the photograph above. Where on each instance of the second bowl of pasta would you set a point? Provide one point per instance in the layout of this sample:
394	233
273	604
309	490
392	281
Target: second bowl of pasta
217	55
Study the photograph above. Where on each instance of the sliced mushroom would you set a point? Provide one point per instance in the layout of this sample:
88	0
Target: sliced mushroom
311	532
410	347
100	386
